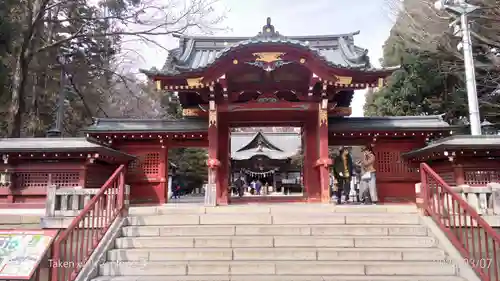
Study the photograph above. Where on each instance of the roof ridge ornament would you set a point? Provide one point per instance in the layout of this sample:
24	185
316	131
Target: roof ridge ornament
268	31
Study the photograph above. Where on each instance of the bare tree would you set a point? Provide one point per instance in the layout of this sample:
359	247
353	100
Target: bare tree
422	27
57	27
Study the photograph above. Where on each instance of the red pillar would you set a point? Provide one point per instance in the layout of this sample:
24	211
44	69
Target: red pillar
223	156
311	179
458	171
161	191
323	162
213	162
164	171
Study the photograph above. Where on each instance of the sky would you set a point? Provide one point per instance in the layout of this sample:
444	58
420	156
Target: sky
298	17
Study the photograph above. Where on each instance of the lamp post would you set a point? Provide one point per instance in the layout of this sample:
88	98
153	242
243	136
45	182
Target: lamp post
56	130
462	8
489	128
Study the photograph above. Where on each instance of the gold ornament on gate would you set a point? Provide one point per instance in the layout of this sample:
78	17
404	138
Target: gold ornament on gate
194	82
343	80
323	116
190	112
268	56
212	118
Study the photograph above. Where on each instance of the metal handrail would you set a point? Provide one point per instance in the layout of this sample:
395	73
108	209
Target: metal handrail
473	237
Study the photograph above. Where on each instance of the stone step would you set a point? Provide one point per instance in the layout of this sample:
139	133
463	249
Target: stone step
278	241
279	219
275	254
278	278
315	230
320	268
299	208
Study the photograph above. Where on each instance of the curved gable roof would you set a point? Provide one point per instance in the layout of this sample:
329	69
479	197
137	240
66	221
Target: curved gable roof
280	145
254	143
195	53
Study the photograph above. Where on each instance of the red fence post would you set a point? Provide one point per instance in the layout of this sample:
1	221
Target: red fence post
476	240
107	205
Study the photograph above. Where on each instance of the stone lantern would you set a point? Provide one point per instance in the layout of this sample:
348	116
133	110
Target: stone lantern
488	128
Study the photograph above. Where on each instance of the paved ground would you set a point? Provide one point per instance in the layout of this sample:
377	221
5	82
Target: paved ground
199	198
188	199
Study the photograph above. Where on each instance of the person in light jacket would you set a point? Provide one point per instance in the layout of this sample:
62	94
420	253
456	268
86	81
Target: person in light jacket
368	188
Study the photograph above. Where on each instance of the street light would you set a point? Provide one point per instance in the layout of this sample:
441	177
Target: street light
462	8
56	130
489	128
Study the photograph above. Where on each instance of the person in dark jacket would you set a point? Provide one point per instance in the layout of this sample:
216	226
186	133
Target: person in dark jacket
176	190
240	185
342	170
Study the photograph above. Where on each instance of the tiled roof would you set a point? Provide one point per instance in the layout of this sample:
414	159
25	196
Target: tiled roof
283	145
197	53
63	145
336	124
458	142
401	123
147	125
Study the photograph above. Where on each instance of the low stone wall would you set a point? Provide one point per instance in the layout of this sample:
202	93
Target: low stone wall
20	221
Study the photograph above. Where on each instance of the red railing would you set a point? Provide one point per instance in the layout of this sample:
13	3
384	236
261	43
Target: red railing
473	237
73	248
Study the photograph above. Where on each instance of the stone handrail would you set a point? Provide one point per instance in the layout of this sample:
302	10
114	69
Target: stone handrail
65	203
484	199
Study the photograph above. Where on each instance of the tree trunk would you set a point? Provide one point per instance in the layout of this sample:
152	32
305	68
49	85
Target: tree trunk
17	93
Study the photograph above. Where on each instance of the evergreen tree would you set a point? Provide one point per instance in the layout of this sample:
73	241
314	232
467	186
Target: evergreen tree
432	78
421	87
191	162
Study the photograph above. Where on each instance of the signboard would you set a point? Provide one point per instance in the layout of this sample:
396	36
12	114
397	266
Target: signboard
22	250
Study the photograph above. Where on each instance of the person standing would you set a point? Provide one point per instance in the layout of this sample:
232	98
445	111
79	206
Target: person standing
258	187
253	186
369	180
342	169
176	191
240	185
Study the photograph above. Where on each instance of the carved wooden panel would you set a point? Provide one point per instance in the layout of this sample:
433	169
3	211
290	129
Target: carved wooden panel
66	179
448	177
41	179
481	177
147	165
391	165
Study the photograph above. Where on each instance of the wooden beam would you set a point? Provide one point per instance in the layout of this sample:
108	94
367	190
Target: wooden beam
267	107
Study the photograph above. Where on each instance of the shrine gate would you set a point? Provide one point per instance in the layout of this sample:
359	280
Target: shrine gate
268	80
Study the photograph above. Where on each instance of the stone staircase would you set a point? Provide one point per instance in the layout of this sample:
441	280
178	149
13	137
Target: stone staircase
287	242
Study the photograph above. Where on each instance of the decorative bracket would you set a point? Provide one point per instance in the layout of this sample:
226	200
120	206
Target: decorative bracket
268	56
323	114
194	82
268	66
213	163
343	80
212	118
5	178
158	85
323	162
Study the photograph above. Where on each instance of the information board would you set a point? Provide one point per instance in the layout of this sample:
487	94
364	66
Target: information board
22	250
